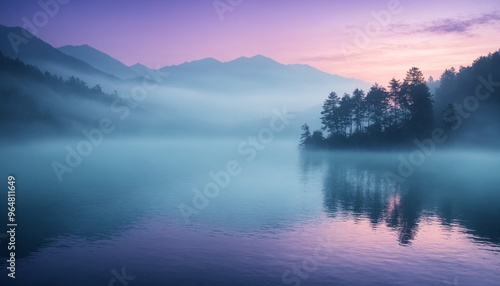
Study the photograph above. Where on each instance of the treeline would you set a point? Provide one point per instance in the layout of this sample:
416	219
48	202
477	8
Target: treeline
457	85
466	105
468	102
34	102
71	86
384	116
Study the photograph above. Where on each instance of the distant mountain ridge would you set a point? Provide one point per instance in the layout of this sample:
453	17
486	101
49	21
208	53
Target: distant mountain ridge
244	76
260	74
99	60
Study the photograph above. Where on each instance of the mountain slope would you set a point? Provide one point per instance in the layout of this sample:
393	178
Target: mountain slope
99	60
37	103
141	69
36	52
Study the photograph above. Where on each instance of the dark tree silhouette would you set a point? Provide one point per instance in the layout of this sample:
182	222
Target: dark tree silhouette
358	109
305	137
420	102
331	119
397	103
345	113
377	102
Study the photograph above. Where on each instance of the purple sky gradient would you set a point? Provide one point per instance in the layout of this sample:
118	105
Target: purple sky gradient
429	34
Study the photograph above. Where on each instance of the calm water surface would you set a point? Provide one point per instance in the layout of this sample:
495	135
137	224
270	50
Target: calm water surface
287	219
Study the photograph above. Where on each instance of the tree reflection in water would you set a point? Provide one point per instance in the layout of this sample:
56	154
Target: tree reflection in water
354	186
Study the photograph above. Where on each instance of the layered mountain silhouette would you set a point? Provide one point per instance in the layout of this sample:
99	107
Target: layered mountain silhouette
82	82
36	52
242	76
196	93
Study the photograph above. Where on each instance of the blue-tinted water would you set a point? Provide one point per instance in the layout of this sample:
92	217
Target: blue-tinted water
286	218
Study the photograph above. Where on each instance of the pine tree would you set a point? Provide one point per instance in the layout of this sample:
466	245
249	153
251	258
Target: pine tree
358	108
420	102
305	137
331	119
377	105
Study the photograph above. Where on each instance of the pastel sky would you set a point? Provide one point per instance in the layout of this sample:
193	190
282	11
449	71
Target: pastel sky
329	35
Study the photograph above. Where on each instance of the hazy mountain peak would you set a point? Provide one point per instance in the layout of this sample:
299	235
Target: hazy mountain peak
210	59
202	61
256	58
138	65
261	57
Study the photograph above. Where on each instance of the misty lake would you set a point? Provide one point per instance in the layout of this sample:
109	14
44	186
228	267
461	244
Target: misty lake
128	215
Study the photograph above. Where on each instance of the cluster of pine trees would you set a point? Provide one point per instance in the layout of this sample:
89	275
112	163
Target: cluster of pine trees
392	115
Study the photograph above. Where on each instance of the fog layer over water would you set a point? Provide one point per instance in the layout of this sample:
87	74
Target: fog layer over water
285	217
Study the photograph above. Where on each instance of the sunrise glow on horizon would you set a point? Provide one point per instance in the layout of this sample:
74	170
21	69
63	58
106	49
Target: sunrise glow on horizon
337	37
